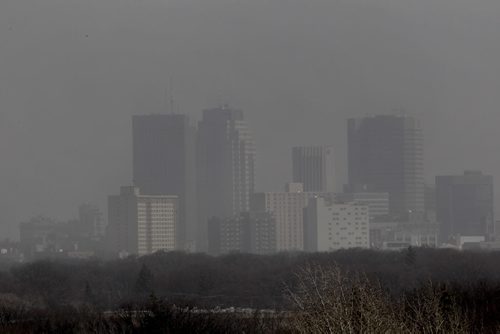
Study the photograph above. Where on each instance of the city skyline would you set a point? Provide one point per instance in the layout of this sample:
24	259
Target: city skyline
66	99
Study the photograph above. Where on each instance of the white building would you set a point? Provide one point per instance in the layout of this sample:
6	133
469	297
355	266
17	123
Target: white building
287	209
331	226
141	224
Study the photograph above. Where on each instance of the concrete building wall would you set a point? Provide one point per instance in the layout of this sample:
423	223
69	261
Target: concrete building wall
287	210
141	224
249	232
378	203
314	167
156	223
336	226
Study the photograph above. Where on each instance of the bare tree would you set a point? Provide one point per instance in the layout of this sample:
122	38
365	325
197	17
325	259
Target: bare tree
331	301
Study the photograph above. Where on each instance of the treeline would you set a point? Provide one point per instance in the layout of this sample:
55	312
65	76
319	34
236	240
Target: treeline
232	280
360	290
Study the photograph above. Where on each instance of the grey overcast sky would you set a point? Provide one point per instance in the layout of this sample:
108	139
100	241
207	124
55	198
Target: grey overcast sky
72	72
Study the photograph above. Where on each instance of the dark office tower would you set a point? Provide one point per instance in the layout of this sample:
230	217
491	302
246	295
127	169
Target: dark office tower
465	205
164	164
226	157
314	168
385	154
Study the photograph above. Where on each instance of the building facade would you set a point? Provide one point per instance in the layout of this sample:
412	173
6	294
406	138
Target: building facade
287	209
141	224
385	154
164	164
249	232
378	203
331	226
313	166
226	159
464	205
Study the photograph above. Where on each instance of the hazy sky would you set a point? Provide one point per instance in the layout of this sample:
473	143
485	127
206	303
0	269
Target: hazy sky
72	72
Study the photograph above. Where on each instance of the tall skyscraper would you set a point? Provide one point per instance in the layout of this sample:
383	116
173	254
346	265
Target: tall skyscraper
226	159
385	154
141	224
464	205
314	167
164	164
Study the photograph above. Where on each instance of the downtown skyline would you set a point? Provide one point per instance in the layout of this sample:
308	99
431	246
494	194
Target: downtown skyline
66	99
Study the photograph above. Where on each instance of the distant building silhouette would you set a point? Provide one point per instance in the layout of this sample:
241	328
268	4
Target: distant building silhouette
385	154
141	224
464	205
313	166
91	222
164	164
44	237
249	232
226	159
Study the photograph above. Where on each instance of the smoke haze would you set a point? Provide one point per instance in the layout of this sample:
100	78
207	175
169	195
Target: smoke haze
72	72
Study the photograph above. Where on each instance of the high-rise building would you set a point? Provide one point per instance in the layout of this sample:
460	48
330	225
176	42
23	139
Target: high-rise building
331	226
287	209
164	164
141	224
385	154
226	159
313	166
464	205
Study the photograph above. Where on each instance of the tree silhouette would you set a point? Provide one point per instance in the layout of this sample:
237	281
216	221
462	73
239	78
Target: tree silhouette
88	294
144	282
410	256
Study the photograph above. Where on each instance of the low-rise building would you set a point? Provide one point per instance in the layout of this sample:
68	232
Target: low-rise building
331	226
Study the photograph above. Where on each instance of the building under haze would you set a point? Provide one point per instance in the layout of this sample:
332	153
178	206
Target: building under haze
313	166
225	160
44	237
249	232
141	224
385	155
331	226
464	205
378	203
164	164
287	209
91	222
